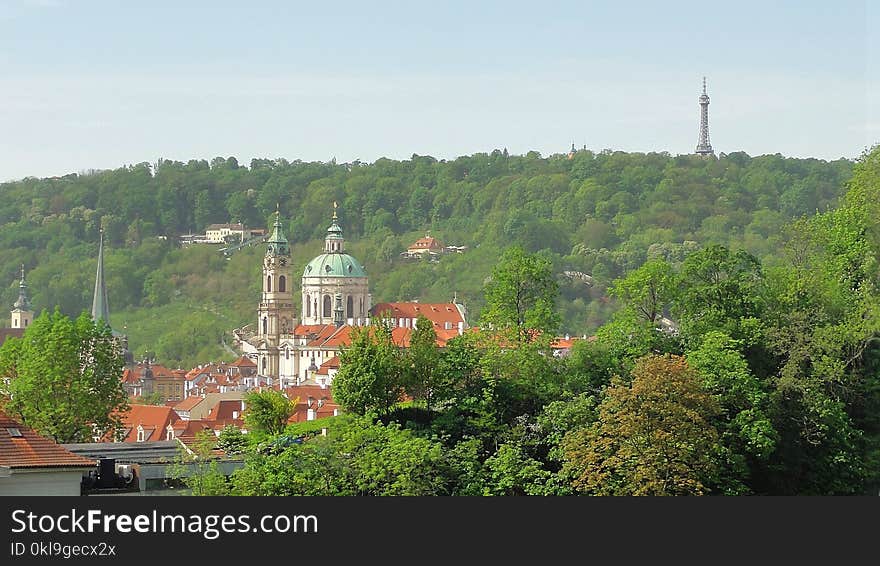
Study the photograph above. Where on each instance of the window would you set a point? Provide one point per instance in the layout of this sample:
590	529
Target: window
265	326
268	283
14	432
140	433
308	307
282	284
328	309
349	308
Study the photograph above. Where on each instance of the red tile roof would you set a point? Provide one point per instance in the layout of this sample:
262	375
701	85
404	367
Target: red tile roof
243	361
189	403
31	450
225	411
426	243
152	418
438	313
332	363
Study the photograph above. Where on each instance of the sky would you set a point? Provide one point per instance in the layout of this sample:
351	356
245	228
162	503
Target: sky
92	84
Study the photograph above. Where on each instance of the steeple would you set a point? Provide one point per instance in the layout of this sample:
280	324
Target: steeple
334	243
703	145
23	303
22	313
278	244
100	306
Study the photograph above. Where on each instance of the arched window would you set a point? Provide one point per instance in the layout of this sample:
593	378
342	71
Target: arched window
268	283
349	307
362	307
264	365
282	284
308	302
328	309
265	326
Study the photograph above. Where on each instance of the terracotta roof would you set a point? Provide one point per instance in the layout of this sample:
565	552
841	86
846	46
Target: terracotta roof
224	411
150	417
130	376
426	243
31	450
332	363
437	313
188	403
243	361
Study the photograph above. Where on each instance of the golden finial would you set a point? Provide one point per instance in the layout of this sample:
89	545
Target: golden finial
335	206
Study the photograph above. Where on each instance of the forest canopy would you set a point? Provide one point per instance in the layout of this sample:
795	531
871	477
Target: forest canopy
593	216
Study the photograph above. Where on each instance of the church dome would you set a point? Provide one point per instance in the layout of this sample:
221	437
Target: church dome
334	265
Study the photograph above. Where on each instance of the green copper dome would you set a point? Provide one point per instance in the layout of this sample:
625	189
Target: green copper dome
334	265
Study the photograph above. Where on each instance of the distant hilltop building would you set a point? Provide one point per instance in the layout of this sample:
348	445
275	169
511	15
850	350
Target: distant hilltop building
223	233
703	145
426	245
431	247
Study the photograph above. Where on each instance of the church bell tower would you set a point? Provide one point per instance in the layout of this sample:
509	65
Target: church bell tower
22	313
276	315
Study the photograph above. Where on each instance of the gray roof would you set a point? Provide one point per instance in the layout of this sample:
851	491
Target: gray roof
129	452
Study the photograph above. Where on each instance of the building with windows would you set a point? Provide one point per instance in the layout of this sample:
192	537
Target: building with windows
290	347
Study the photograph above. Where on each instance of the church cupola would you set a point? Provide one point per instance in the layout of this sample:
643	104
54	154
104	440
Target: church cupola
332	272
22	312
334	243
277	243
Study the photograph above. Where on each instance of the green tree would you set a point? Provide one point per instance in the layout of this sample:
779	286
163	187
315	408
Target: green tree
232	440
653	437
648	290
266	412
356	457
370	376
421	359
521	296
64	378
748	434
198	468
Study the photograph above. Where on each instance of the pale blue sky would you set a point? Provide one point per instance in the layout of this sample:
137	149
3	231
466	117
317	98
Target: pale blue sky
99	84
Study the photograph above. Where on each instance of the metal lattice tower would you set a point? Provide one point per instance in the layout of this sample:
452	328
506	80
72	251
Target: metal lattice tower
703	146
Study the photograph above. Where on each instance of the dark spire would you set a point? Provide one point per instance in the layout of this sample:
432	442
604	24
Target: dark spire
23	303
100	306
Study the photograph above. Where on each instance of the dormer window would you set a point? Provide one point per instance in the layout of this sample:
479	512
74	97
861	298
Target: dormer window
140	433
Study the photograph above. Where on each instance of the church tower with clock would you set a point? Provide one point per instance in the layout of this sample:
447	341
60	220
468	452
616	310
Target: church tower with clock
276	315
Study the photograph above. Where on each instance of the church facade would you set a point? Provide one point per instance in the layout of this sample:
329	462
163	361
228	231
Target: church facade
292	347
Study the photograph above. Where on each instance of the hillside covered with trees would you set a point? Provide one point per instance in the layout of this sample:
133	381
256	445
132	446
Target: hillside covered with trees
769	385
603	214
